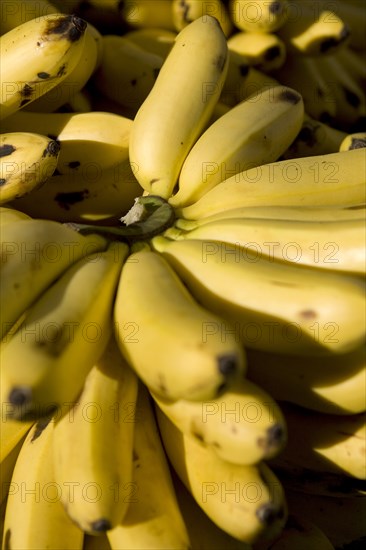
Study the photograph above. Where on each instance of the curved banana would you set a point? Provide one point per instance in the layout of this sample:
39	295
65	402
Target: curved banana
145	13
127	72
259	16
93	444
265	51
90	140
319	180
186	11
179	105
357	140
247	502
332	385
34	516
63	94
253	133
153	39
100	196
326	245
27	160
269	305
16	12
46	360
243	425
36	56
153	518
10	215
34	253
155	314
326	443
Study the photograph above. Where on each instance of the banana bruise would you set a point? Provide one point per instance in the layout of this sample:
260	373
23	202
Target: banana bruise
27	160
357	140
127	72
179	105
36	56
190	364
260	16
319	180
144	14
154	40
222	489
34	253
153	518
63	94
44	523
270	306
186	11
14	13
324	245
243	425
331	385
333	444
93	444
69	325
265	51
253	133
87	140
94	195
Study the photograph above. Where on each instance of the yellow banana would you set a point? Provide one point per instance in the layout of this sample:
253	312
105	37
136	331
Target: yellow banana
153	39
145	13
269	305
333	385
127	72
319	180
155	315
186	11
34	516
46	360
265	51
356	140
36	56
16	12
100	196
34	253
253	133
153	518
259	16
10	215
247	502
243	425
179	105
64	92
326	245
93	445
27	160
90	140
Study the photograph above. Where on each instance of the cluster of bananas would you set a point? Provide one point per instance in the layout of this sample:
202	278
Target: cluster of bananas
182	275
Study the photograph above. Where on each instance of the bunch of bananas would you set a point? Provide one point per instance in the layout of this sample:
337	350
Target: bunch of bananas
182	275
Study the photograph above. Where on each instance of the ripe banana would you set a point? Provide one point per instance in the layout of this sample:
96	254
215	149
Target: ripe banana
100	196
127	72
145	13
186	11
179	105
265	51
10	215
63	94
34	516
333	385
153	39
88	141
16	12
27	160
46	360
356	140
247	502
36	56
34	253
269	305
326	443
153	518
259	16
250	134
326	245
243	425
155	315
93	443
320	180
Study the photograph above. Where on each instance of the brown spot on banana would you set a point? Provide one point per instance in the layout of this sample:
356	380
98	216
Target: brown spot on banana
70	27
6	150
289	96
